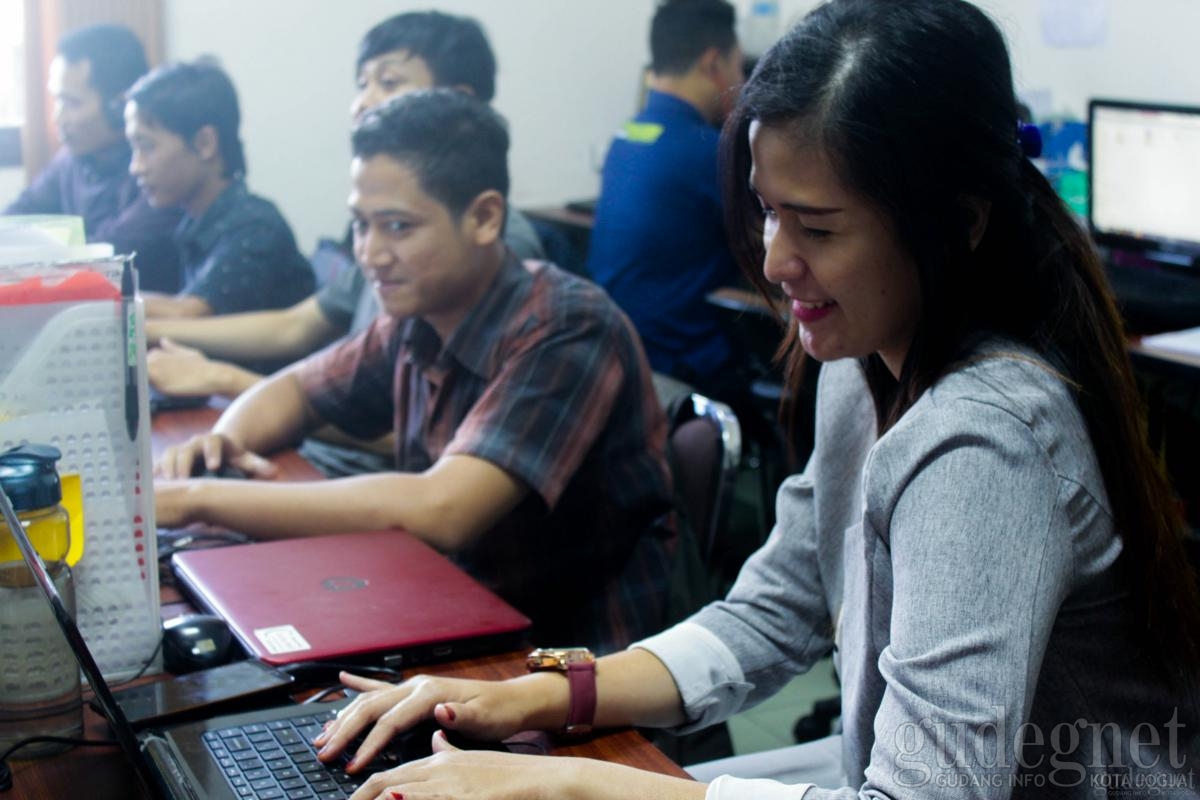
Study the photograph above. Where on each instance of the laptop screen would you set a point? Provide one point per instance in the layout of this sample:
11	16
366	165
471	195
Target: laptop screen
112	711
1145	178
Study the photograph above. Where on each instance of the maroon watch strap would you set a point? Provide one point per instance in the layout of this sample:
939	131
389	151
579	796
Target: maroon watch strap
581	676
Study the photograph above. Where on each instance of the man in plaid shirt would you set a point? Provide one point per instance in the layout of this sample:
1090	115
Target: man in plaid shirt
528	436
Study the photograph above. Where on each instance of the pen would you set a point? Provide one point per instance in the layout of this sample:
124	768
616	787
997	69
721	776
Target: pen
129	310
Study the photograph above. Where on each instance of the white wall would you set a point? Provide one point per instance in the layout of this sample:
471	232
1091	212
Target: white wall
1147	54
569	73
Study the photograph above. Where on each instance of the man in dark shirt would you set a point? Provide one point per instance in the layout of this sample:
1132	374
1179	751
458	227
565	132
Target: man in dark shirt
527	433
236	250
658	245
89	177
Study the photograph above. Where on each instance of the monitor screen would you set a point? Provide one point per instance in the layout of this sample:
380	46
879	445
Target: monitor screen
1145	178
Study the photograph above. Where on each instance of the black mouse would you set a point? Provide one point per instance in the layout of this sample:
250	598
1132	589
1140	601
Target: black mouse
226	470
196	641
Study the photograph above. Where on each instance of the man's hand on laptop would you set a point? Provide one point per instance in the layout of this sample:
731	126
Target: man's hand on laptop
208	453
484	710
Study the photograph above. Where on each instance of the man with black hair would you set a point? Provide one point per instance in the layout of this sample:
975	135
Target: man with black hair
236	250
89	177
528	439
410	51
658	245
414	50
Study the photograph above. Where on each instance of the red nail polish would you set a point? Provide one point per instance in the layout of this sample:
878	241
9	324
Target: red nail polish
397	796
449	712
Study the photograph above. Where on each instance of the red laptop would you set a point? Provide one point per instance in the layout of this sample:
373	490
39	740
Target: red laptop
384	598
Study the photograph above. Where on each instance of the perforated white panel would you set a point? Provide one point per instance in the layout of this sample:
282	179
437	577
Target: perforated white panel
62	382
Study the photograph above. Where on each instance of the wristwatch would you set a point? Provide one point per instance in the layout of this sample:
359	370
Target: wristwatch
580	667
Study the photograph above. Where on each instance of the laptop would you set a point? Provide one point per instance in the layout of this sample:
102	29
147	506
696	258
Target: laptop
258	754
381	598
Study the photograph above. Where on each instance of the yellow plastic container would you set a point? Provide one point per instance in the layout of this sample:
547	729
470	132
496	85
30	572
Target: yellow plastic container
55	532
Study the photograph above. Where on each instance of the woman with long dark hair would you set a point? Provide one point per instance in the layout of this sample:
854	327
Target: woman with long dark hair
982	535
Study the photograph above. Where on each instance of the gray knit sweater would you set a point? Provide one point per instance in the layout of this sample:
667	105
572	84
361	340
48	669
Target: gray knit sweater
964	568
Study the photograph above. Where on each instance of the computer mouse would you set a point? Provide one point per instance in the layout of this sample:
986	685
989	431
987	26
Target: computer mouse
196	641
224	471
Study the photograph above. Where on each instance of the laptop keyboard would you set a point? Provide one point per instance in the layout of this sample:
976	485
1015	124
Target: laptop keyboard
274	760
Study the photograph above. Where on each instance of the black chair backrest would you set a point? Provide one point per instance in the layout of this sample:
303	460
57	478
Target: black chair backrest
705	449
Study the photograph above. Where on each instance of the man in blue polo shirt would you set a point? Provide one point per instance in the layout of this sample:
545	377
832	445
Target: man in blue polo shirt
658	245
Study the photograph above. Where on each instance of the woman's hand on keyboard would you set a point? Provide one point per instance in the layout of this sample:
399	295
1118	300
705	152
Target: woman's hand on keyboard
485	710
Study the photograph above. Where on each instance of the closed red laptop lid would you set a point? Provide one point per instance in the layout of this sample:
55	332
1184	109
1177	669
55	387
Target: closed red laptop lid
382	597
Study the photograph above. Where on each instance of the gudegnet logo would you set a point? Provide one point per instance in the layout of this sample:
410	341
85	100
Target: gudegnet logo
1139	762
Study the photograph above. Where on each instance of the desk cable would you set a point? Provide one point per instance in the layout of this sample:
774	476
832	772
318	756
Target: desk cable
6	776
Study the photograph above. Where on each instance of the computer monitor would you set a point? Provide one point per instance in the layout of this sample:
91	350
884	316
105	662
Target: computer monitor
1144	176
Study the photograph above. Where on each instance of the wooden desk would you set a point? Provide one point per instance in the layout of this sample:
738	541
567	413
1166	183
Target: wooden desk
103	772
170	428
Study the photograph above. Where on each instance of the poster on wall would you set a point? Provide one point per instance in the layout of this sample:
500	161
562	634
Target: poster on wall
1075	23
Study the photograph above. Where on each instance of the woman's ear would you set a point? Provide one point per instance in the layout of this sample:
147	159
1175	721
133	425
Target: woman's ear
977	211
485	217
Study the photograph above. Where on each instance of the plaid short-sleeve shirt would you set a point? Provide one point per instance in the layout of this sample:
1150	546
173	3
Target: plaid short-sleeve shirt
547	380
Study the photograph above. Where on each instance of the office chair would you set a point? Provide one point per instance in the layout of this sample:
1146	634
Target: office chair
755	331
704	450
561	249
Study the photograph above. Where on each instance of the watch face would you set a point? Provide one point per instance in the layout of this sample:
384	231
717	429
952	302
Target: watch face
551	658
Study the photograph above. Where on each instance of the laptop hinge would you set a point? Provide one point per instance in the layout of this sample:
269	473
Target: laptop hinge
167	768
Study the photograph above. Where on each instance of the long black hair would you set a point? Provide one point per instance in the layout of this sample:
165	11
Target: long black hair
913	102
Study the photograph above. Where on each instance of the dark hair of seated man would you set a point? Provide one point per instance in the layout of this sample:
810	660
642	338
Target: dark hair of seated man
455	49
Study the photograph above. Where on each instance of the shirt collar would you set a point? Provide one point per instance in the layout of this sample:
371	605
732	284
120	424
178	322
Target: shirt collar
473	342
662	104
205	231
